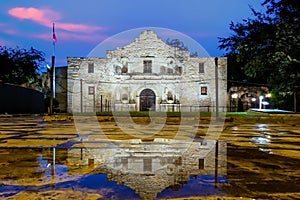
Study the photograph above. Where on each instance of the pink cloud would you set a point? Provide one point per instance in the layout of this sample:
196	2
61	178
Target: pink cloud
66	37
46	17
41	16
7	30
10	31
78	27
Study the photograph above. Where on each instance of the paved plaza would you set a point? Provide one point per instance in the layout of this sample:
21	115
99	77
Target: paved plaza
261	157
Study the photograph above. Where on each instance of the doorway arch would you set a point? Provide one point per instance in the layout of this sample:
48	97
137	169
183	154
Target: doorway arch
147	100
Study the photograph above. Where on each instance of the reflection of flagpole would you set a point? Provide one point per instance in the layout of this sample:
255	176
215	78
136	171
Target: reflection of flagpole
52	74
216	163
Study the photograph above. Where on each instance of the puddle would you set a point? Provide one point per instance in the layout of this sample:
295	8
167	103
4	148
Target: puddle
126	170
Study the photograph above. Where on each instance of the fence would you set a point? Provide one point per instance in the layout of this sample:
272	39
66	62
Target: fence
159	107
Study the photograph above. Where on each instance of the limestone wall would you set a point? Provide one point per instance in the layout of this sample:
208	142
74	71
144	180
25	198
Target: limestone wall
120	78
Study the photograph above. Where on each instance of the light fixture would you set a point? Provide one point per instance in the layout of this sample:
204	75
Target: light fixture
234	95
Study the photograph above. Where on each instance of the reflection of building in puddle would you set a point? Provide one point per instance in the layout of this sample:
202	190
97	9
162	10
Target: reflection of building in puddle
150	167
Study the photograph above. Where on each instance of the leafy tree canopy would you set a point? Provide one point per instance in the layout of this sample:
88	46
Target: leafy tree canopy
20	66
268	46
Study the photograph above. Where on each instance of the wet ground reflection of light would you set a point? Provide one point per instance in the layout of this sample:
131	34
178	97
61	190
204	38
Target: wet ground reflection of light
262	127
264	138
235	128
261	140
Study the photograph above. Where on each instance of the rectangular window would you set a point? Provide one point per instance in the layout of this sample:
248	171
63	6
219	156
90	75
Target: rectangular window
201	68
91	68
91	90
203	90
201	163
147	66
147	164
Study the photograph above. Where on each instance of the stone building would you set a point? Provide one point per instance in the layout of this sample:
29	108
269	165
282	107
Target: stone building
145	75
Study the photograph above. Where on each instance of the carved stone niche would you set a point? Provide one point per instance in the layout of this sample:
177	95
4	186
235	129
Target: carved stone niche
125	98
170	97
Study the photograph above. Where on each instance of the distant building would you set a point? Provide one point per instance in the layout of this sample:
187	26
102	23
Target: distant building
145	75
60	87
242	98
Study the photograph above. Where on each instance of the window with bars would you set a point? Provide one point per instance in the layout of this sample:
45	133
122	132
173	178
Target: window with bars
147	66
91	68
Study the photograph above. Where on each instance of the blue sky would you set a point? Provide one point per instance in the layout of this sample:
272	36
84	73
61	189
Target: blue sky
81	25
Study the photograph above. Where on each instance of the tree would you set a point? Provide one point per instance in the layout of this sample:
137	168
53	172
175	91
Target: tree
20	66
268	46
178	44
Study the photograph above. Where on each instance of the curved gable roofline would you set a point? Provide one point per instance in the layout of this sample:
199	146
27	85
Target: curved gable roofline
148	44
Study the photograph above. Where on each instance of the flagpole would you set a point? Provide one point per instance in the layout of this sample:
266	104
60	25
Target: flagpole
52	74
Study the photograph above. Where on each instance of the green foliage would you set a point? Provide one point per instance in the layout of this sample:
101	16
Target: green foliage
20	66
267	48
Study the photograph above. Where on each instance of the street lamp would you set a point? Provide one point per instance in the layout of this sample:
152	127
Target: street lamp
233	96
260	101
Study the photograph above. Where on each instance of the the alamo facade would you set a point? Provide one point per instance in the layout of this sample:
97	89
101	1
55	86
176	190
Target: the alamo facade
146	75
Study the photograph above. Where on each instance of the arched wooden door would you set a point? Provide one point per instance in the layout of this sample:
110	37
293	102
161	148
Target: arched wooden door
147	100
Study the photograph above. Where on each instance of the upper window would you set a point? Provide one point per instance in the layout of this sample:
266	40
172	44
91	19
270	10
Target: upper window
91	68
201	68
117	69
91	90
147	66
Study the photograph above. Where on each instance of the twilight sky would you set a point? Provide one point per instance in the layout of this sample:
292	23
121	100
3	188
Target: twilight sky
81	25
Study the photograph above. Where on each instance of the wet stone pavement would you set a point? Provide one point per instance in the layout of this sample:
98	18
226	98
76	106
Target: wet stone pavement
252	158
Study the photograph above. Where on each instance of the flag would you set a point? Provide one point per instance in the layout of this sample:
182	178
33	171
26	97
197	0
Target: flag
54	36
